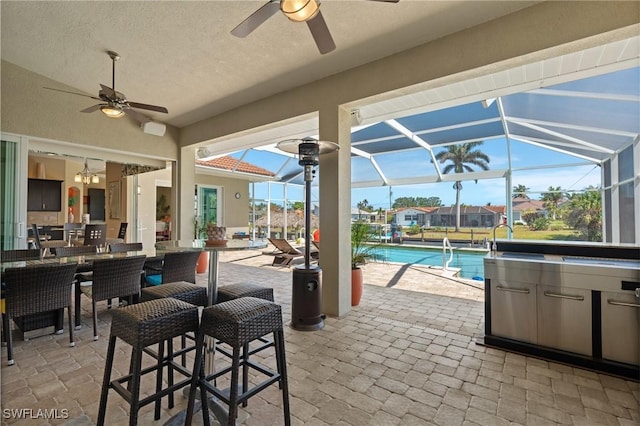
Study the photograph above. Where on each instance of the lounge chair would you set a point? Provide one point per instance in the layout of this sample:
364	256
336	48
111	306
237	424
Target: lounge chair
284	252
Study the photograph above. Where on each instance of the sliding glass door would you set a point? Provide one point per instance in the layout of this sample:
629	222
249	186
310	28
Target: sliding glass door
13	201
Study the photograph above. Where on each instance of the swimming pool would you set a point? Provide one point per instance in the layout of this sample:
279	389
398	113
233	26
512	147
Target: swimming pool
471	263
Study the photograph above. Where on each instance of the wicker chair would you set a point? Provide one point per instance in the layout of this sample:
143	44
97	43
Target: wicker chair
122	232
20	254
112	278
74	251
95	235
36	289
71	232
124	247
176	266
43	244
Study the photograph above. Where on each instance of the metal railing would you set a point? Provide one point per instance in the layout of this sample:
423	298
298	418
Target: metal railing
446	245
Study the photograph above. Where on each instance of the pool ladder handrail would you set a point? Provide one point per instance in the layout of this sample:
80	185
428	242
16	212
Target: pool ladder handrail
446	244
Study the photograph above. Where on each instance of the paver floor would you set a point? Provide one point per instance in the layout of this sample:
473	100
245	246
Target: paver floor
405	356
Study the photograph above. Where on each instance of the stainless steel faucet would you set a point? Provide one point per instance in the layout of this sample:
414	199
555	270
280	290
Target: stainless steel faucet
494	247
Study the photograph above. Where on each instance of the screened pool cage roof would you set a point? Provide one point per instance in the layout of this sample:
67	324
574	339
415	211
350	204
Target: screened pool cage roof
582	122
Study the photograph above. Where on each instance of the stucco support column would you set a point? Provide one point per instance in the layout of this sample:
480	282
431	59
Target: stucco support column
335	212
183	182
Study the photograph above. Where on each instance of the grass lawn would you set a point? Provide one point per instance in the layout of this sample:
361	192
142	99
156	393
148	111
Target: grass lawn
519	233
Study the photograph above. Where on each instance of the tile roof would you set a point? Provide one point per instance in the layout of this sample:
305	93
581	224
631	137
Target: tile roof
229	163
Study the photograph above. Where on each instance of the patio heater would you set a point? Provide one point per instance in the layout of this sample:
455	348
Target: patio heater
306	301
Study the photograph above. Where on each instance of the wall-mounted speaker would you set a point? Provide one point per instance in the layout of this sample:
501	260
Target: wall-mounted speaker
153	128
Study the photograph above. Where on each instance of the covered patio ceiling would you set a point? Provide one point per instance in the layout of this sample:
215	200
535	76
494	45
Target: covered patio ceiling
583	107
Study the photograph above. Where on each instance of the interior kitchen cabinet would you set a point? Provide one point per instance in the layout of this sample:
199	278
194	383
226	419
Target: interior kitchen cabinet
44	195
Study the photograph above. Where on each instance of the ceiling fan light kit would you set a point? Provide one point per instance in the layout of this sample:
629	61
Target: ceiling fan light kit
111	111
299	10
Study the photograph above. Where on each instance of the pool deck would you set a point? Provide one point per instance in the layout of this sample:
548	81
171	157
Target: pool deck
407	355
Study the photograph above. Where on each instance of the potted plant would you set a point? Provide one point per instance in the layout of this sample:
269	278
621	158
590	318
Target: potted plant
200	233
363	247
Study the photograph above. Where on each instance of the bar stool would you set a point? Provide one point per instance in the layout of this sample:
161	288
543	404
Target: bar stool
180	290
142	325
237	323
235	291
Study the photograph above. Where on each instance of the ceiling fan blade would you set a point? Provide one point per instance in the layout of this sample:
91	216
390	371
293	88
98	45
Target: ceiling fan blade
109	91
138	116
321	34
93	108
387	1
256	19
149	107
73	93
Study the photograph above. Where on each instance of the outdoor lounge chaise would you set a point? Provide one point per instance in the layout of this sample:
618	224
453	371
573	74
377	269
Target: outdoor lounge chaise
284	252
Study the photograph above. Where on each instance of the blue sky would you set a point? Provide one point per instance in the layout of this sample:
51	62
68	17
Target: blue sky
480	193
600	110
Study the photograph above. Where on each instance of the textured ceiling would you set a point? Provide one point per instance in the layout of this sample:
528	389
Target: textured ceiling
181	55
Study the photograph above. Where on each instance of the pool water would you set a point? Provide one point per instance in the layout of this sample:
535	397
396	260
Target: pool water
471	263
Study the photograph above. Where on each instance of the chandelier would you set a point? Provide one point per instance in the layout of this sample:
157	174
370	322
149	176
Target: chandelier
85	176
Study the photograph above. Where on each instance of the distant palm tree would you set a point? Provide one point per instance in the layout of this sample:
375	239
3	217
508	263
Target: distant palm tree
459	156
552	199
520	191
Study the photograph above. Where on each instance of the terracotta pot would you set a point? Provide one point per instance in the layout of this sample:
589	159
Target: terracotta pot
356	286
203	262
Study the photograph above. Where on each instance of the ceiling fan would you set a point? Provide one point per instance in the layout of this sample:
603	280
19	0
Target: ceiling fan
116	104
297	11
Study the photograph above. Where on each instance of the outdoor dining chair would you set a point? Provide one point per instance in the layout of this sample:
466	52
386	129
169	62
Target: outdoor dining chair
36	289
72	232
43	244
176	266
111	279
122	232
124	247
95	235
74	251
19	254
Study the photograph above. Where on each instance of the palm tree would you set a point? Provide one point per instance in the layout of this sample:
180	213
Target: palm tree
520	191
459	156
552	199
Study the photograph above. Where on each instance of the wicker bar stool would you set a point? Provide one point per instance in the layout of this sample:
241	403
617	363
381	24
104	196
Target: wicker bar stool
236	291
180	290
237	323
142	325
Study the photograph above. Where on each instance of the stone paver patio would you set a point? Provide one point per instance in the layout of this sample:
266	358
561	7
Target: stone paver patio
405	356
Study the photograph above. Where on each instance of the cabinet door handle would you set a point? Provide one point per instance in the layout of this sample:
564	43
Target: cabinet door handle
563	296
513	290
615	302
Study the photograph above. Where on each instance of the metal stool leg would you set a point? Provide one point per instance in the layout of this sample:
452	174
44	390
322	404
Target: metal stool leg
106	379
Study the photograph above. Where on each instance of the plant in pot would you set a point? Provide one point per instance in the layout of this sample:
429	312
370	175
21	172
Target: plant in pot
200	233
363	247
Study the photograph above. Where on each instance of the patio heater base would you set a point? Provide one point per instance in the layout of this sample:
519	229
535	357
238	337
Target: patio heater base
306	301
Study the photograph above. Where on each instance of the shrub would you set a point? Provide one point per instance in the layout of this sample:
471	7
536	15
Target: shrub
540	224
